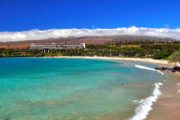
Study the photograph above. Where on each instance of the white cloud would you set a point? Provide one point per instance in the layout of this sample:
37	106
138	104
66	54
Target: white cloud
56	33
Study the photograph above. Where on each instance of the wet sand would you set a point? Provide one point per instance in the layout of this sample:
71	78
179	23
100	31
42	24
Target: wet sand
168	105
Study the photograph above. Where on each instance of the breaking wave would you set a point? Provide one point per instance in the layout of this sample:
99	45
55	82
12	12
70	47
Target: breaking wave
148	68
145	105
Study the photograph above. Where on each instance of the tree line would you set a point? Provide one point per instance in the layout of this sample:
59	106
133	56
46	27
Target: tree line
143	50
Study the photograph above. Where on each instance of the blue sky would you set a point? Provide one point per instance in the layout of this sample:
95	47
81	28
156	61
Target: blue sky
21	15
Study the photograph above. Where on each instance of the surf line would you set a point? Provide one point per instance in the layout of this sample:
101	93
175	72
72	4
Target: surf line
145	105
148	68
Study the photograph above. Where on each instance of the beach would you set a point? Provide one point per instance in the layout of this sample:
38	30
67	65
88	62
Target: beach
113	79
167	106
87	89
146	60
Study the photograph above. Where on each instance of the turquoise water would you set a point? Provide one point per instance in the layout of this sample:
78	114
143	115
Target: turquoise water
71	89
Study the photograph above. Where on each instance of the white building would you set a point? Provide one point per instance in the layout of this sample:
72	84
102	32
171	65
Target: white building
54	46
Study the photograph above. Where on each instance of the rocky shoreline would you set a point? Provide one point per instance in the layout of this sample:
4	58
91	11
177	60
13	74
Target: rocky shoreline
172	69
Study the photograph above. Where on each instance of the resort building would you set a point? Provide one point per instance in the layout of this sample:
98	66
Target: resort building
54	46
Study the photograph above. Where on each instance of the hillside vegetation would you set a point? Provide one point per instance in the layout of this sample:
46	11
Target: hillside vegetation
146	49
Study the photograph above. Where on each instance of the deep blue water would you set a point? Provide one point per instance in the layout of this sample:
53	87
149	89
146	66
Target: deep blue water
71	89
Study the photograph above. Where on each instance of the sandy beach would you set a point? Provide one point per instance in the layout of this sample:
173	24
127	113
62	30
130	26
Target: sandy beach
147	60
167	106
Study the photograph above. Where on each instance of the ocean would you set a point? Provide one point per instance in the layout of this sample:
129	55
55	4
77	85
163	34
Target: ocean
76	89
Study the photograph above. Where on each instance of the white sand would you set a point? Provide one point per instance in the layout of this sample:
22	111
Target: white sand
148	60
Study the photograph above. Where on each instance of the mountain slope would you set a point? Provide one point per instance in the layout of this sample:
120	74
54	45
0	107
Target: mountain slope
88	40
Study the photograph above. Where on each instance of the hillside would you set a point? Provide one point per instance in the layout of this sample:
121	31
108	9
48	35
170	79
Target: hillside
88	40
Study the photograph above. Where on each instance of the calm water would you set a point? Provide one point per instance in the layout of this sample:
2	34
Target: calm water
71	89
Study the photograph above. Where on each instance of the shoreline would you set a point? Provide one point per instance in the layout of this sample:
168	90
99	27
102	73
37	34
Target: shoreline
145	60
167	105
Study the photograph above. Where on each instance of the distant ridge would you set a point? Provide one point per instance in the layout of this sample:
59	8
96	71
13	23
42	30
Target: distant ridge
99	40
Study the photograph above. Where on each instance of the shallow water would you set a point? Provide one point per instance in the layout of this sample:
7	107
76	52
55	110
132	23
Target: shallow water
72	89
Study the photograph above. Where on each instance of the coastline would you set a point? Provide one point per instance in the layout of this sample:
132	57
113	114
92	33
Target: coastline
146	60
167	105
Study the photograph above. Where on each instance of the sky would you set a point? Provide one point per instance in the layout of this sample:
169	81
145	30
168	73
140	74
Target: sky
23	15
42	19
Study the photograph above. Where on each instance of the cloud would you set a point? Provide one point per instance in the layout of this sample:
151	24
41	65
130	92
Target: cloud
57	33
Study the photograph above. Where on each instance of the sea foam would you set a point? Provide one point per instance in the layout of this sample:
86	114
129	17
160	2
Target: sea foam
145	105
148	68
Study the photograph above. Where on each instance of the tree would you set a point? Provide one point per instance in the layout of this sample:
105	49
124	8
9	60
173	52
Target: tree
161	54
175	57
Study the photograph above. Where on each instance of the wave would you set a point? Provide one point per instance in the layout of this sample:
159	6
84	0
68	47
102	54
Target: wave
148	68
145	105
